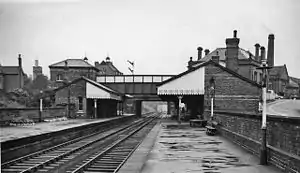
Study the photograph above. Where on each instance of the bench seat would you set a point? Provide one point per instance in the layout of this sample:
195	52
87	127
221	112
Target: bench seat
198	123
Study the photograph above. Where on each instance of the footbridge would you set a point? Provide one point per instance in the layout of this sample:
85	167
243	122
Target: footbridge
141	87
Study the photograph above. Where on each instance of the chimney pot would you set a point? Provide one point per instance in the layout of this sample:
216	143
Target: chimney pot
262	53
20	60
199	52
271	36
190	63
257	46
36	63
206	51
234	33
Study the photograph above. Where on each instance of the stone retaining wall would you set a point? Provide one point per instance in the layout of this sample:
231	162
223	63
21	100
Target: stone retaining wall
283	136
9	114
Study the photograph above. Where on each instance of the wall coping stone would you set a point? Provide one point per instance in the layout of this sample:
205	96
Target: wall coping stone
273	118
30	108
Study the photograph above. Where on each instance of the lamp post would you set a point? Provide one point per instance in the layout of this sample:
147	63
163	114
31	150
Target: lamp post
212	94
41	107
263	148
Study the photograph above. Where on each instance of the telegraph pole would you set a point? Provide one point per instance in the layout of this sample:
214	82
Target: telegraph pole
263	148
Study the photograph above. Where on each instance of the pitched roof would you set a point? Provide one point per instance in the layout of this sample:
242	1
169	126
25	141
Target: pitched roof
14	70
91	82
215	64
297	80
72	63
292	84
101	86
242	54
110	65
278	70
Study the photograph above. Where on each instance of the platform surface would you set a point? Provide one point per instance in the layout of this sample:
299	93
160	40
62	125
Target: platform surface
181	148
16	132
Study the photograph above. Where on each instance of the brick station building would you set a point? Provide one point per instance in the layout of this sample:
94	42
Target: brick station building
220	76
89	99
71	69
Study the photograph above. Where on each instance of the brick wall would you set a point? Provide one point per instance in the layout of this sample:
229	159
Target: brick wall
283	136
72	73
76	90
231	93
9	114
11	82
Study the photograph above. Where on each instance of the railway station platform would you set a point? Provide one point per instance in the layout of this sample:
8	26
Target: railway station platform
173	148
17	132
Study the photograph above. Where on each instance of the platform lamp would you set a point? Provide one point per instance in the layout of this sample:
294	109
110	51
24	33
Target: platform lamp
66	83
41	106
263	149
212	95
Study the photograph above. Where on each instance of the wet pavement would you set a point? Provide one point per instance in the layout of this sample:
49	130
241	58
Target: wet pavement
184	149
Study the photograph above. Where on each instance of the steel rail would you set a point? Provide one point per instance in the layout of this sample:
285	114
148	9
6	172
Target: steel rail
65	154
94	158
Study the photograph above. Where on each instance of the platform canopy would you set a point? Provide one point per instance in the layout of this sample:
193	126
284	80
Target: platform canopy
190	82
95	90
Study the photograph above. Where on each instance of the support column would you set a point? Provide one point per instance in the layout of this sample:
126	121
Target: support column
138	108
179	109
212	108
95	108
169	108
41	110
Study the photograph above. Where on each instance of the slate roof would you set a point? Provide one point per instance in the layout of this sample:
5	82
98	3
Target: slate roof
215	64
79	63
110	65
297	80
243	54
101	86
278	71
91	82
292	84
72	63
12	70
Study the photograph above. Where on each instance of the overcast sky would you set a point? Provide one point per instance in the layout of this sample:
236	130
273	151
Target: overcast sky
159	35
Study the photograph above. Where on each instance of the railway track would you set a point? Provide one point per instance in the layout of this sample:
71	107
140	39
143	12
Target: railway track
52	159
111	159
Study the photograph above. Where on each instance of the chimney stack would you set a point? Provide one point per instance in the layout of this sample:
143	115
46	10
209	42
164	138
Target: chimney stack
36	63
234	33
206	51
190	63
262	53
257	46
20	61
270	55
199	52
232	52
